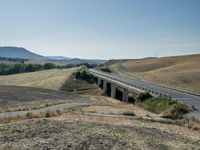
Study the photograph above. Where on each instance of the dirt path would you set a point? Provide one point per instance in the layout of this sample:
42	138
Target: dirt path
60	107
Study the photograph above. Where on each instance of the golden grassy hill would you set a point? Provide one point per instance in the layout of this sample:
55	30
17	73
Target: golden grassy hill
182	72
48	79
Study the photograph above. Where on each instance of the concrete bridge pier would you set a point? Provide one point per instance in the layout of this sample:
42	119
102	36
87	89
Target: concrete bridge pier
104	86
125	95
113	91
99	81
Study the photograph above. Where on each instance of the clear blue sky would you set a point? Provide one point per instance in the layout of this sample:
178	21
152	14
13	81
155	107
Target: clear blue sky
102	28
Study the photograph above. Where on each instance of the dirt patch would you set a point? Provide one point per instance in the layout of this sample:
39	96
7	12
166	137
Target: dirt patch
14	98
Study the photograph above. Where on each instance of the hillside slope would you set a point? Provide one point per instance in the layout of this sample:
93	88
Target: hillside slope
181	72
48	79
18	52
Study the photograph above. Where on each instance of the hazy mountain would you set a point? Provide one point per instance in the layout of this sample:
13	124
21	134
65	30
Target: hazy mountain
58	58
80	61
18	52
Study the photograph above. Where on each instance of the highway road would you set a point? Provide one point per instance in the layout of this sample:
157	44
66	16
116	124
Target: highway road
183	97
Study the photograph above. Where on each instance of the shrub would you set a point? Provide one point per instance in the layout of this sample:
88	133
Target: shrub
129	113
105	69
83	75
29	115
176	111
48	114
143	96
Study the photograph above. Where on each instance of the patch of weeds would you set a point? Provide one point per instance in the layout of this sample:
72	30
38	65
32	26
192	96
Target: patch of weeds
109	132
105	69
31	115
11	119
128	113
77	108
49	114
143	96
170	108
176	111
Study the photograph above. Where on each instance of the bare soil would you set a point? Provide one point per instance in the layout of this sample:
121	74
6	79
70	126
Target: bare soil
102	125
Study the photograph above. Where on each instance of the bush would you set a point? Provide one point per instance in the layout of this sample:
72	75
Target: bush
176	111
49	113
129	113
105	69
49	66
143	96
83	75
29	115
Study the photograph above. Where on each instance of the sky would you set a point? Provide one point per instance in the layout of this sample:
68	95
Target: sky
102	29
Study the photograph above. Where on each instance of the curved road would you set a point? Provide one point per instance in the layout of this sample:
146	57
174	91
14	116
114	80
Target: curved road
183	97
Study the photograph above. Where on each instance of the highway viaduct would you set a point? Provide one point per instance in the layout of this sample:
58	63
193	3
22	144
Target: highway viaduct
119	87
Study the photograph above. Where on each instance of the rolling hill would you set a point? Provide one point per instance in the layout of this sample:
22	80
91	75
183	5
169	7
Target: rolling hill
47	79
181	72
18	52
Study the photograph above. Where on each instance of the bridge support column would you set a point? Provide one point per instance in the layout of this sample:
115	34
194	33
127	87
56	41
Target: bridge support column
104	86
125	95
99	81
113	91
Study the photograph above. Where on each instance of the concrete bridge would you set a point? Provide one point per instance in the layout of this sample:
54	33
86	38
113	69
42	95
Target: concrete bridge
119	87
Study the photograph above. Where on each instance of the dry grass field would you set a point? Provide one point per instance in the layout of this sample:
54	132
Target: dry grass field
181	72
104	124
48	79
101	126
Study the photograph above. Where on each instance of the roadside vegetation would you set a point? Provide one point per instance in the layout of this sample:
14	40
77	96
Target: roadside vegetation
105	69
82	74
161	105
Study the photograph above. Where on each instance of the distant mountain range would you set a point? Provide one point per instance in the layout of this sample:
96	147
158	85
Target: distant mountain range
58	58
18	52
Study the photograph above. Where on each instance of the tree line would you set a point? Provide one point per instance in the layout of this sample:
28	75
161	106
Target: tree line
8	69
13	59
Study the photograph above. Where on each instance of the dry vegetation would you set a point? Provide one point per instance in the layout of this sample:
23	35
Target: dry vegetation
179	71
48	79
72	84
104	123
93	128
